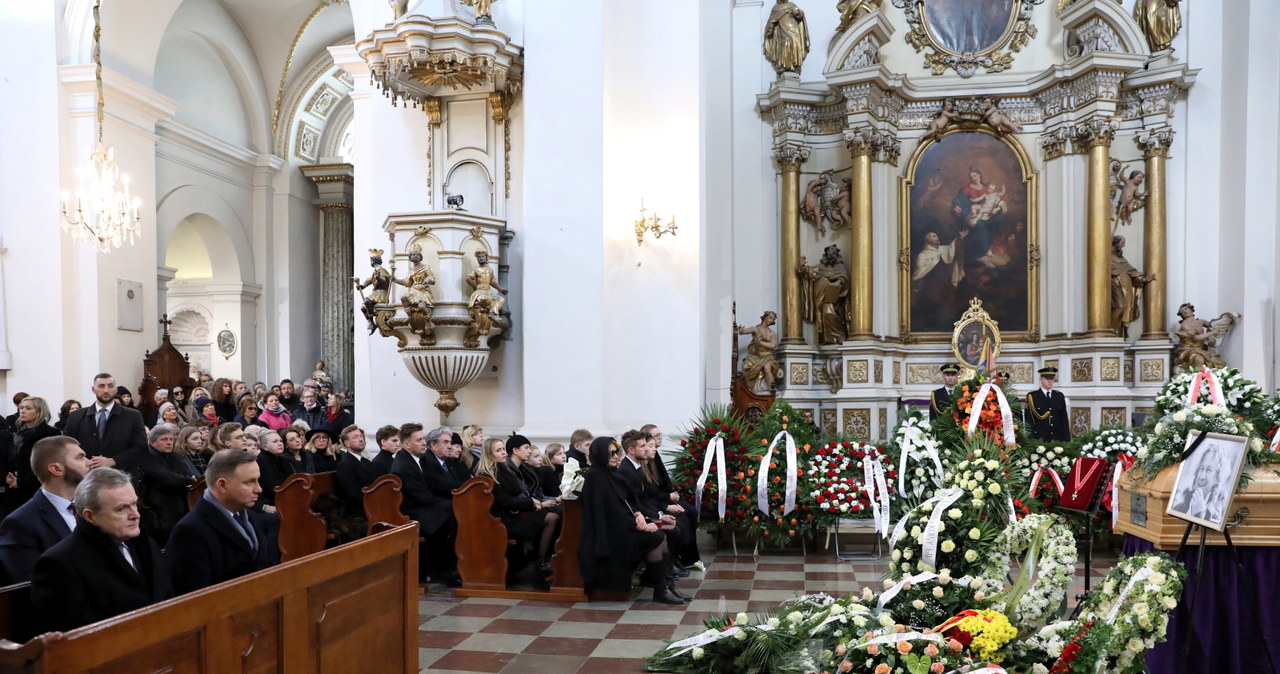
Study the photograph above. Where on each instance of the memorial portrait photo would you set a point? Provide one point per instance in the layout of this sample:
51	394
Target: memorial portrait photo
1207	480
969	222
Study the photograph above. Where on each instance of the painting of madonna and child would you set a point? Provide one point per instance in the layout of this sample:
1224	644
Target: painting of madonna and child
968	234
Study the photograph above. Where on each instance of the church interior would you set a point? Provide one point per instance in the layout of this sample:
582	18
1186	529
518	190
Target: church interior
935	364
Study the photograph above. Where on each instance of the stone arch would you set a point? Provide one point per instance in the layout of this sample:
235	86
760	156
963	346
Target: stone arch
859	45
299	108
217	224
470	178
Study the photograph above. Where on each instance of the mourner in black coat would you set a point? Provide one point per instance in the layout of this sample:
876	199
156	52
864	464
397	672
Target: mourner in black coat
26	534
940	398
166	478
352	474
122	432
433	514
1046	411
24	438
210	544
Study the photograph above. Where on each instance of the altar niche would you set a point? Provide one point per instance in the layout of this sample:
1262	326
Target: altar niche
968	228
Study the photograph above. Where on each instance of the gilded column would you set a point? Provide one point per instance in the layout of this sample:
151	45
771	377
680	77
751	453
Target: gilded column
1097	134
862	145
334	183
789	157
1155	150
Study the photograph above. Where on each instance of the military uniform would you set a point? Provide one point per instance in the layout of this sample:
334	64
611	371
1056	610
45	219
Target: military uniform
940	398
1046	413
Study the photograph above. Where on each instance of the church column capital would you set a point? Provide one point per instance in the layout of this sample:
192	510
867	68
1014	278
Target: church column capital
334	183
790	155
1097	131
1155	142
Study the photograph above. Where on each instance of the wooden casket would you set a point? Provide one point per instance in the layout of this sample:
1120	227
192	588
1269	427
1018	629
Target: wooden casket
1143	509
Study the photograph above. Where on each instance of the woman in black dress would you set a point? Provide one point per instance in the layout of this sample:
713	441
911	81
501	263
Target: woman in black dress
615	535
526	517
551	473
274	467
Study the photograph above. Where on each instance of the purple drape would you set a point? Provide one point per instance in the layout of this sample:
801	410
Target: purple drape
1223	633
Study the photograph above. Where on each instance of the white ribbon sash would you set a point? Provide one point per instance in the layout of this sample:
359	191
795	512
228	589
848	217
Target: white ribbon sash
715	451
1275	441
986	669
950	494
1141	575
1116	472
762	476
877	492
902	636
914	437
929	551
1040	470
1006	413
892	592
1204	376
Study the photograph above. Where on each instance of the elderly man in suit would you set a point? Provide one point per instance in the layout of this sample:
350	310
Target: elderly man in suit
433	514
222	537
440	466
49	516
106	429
106	566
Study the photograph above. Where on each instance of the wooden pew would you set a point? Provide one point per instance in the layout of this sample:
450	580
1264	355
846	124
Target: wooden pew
303	531
382	501
354	607
15	603
194	492
481	546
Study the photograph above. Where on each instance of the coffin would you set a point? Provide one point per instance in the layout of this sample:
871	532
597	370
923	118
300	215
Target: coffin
1143	506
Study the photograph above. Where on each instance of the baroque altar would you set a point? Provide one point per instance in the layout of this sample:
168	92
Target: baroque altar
1011	163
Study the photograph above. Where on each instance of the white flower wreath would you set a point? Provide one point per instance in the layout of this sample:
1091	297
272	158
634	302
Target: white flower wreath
1111	443
1241	395
1136	599
1057	458
914	438
1053	572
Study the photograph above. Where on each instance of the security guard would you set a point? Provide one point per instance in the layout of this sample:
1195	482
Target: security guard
941	397
1046	413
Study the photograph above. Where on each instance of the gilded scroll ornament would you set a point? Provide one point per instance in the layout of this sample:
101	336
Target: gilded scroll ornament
786	38
1159	21
824	289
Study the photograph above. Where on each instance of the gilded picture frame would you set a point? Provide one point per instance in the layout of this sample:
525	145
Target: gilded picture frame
975	340
995	56
1010	291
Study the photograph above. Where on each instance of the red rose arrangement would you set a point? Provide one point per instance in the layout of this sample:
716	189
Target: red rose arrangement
738	466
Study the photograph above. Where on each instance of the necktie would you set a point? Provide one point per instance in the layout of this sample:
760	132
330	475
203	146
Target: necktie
242	518
124	551
102	421
71	508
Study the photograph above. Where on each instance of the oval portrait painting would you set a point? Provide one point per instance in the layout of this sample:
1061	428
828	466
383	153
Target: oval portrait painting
966	26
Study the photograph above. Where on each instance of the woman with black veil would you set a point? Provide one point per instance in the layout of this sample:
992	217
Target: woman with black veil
615	535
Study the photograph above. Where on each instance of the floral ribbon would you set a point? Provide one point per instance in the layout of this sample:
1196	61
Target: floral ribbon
1123	462
709	637
1205	375
1006	414
985	669
912	437
892	592
929	549
1141	575
955	620
1040	471
877	490
950	495
901	636
1275	441
762	475
715	451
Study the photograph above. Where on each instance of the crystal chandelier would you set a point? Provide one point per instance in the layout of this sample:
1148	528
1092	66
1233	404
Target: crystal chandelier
103	213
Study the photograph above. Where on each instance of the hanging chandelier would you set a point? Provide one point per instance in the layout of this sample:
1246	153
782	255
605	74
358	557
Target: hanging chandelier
102	212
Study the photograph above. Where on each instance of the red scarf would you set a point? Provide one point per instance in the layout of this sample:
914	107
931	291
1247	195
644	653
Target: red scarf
333	414
213	418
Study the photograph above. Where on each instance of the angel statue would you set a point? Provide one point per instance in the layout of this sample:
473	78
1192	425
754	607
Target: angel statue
817	196
484	9
995	117
852	10
486	299
417	301
824	289
1124	193
1198	339
319	375
939	125
760	366
786	37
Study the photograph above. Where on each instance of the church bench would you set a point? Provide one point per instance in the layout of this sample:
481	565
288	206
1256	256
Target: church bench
303	531
194	492
352	607
382	500
482	543
15	602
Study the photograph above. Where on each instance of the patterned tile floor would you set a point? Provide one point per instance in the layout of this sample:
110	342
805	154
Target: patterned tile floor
541	637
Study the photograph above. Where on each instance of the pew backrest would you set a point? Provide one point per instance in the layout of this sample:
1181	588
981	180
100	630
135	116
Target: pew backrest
194	492
481	543
303	531
353	607
15	612
382	501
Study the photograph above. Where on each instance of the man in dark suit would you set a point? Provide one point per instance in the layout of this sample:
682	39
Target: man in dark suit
353	472
440	466
1046	413
107	429
388	439
433	514
105	567
941	396
49	516
222	537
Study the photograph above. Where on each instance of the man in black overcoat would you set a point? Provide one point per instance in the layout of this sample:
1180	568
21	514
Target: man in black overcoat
107	429
49	516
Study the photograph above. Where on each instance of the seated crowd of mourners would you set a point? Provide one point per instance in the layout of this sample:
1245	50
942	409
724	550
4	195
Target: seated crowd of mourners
96	517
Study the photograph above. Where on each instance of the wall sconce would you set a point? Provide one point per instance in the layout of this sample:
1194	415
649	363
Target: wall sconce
651	222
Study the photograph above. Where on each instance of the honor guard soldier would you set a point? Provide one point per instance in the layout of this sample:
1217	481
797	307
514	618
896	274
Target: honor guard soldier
1046	413
941	396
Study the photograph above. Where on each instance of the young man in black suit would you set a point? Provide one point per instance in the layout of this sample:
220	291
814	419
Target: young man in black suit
388	439
105	567
49	516
940	399
353	472
106	429
222	537
433	514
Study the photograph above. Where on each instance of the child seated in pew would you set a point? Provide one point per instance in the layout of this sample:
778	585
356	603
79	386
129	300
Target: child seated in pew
526	518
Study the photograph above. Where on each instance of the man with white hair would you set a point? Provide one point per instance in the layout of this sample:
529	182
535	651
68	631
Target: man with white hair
106	566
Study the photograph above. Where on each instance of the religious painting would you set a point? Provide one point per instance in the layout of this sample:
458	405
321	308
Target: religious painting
968	26
975	341
1207	479
968	230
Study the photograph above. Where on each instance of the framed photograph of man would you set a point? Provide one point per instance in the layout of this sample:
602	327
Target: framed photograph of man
1207	480
968	229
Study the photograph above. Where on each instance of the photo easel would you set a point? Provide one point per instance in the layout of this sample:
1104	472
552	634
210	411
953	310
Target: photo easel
1091	514
1250	592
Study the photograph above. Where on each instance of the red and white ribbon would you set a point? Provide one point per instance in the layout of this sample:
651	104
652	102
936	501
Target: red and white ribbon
1205	376
1275	441
715	451
1006	413
1040	471
762	476
1122	464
